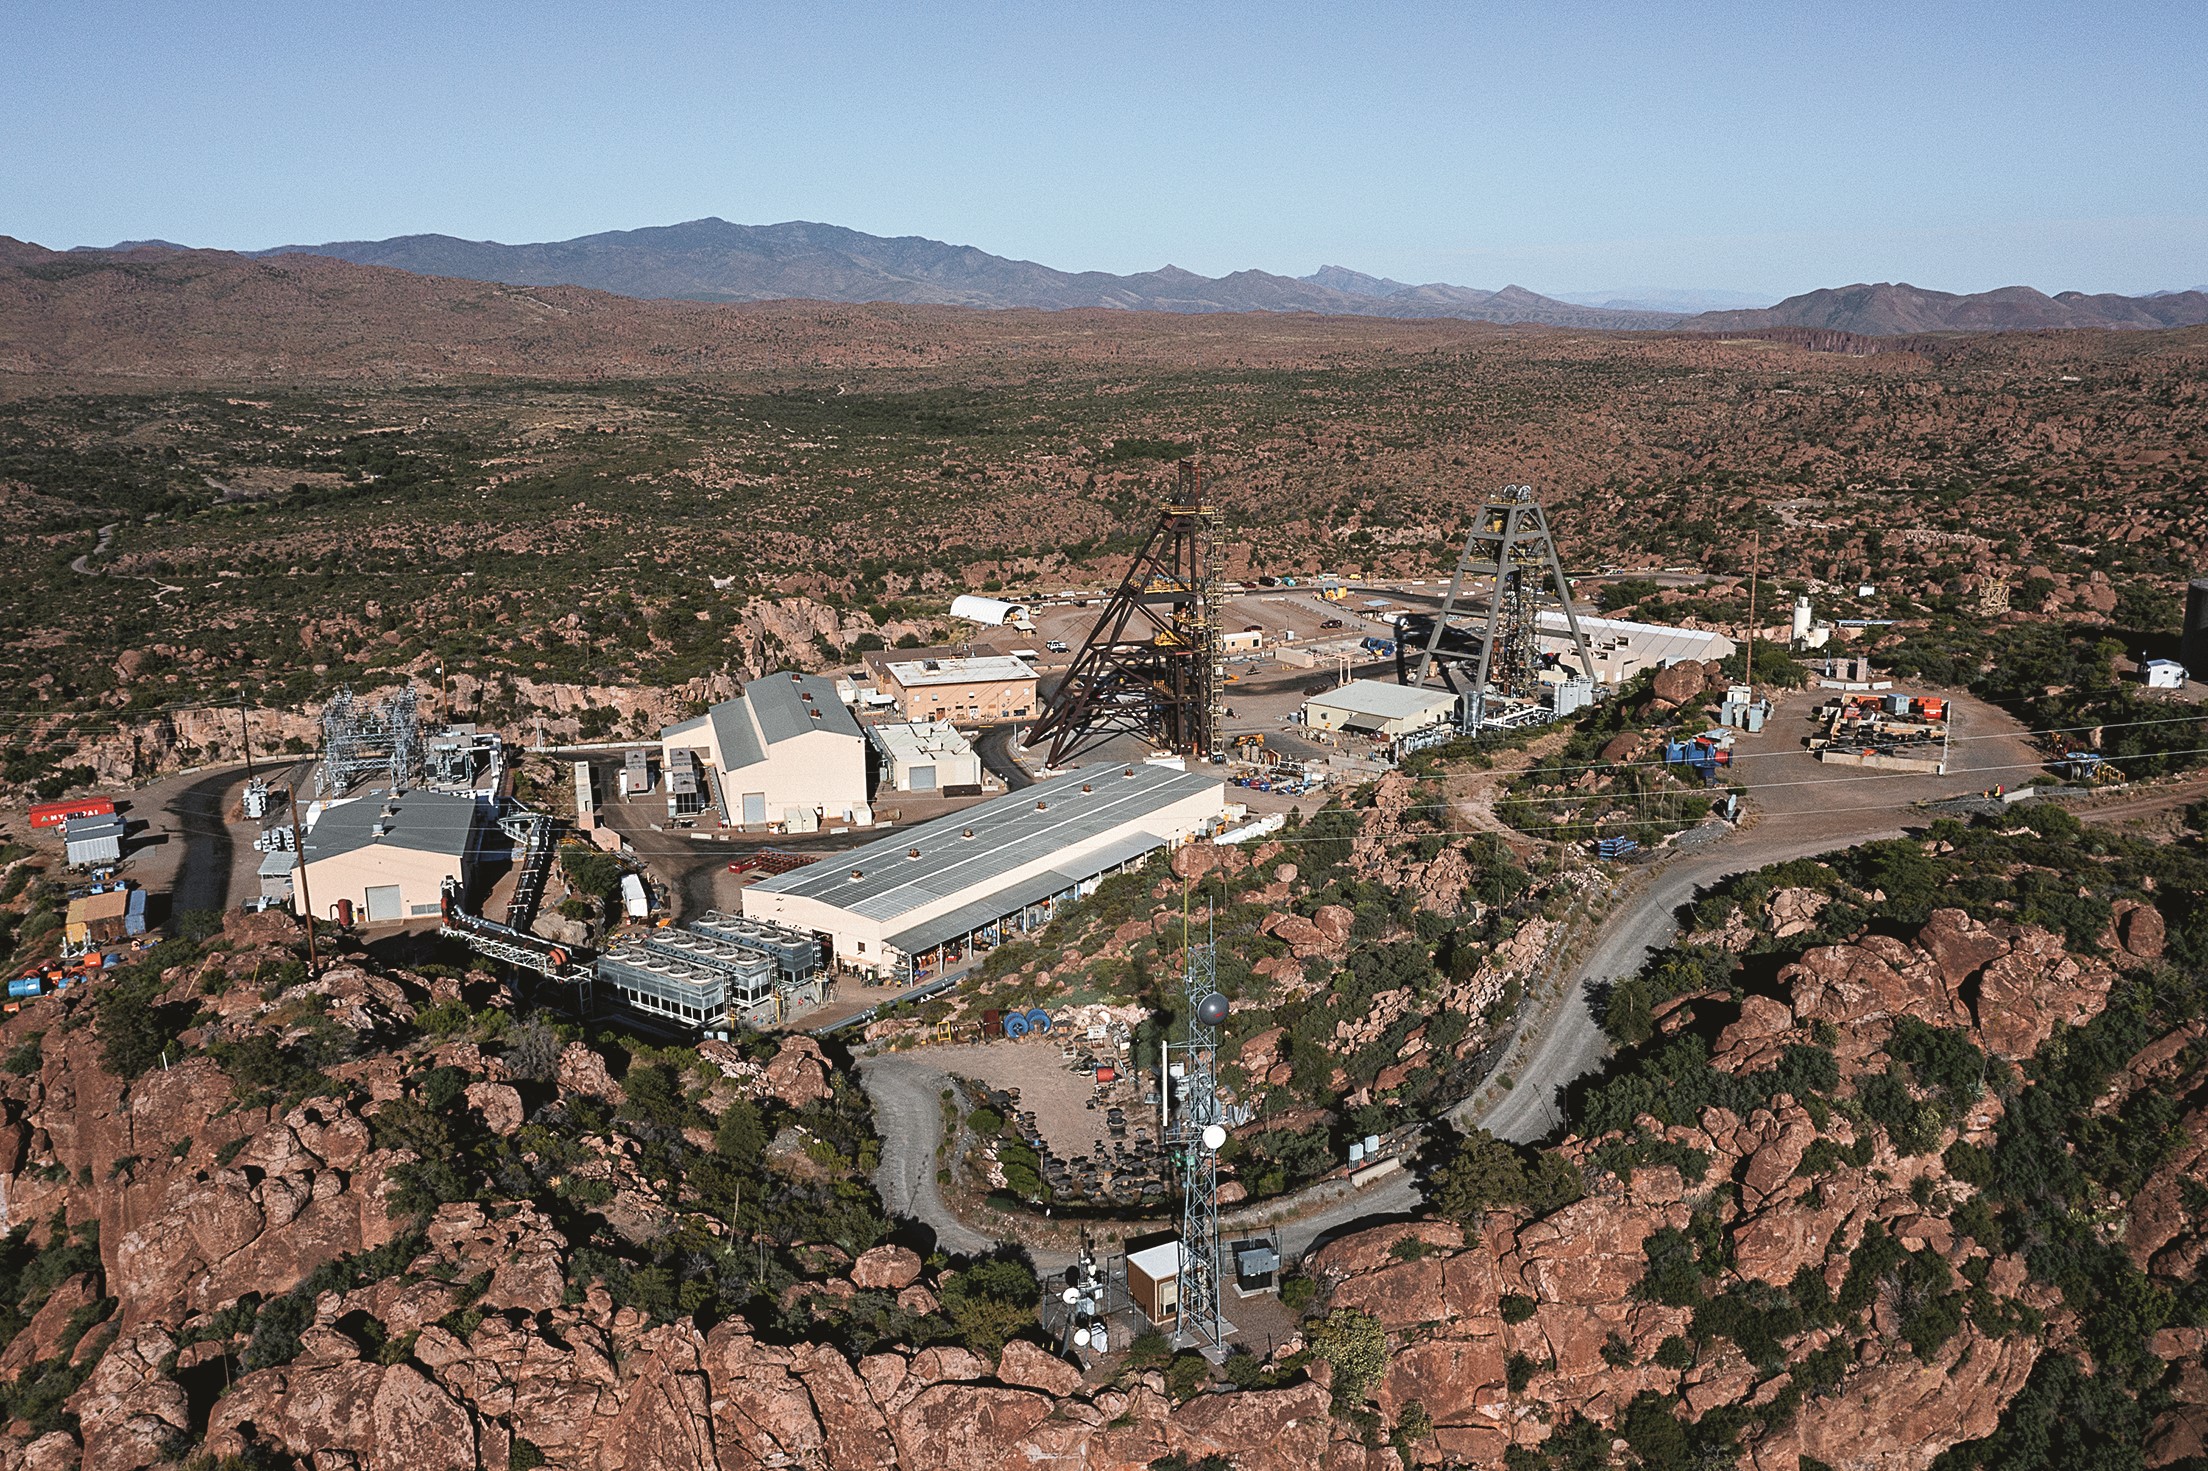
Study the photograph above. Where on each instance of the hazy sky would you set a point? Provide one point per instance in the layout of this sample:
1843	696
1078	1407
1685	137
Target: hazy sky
1567	146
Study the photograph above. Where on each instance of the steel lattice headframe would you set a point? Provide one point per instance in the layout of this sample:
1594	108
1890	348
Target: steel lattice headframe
1150	667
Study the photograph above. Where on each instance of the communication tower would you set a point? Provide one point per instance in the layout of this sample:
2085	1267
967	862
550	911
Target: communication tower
1510	545
1151	667
1194	1139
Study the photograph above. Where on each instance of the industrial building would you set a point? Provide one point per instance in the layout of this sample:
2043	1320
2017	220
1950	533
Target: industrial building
928	756
919	902
1378	707
713	974
1622	648
785	750
93	842
984	687
387	853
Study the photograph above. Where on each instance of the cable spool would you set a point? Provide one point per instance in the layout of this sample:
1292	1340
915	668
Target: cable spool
1038	1021
1015	1024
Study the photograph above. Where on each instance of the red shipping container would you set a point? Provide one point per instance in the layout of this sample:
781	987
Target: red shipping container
54	814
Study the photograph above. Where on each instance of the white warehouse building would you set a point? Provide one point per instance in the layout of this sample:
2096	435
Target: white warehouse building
919	902
1623	648
785	750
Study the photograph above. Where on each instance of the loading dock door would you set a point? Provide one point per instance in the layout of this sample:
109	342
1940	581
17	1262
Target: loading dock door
755	808
922	778
383	903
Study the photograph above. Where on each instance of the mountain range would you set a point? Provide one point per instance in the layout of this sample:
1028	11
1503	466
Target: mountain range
714	260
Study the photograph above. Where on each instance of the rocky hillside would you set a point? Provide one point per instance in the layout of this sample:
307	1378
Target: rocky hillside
1902	1167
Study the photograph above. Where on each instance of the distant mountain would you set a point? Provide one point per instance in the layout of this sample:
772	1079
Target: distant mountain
1889	309
1666	299
714	260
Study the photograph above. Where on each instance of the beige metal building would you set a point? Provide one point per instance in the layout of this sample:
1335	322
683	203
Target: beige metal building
785	750
1380	707
917	903
984	687
389	854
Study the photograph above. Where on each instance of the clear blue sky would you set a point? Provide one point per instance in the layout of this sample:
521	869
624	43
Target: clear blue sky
1566	146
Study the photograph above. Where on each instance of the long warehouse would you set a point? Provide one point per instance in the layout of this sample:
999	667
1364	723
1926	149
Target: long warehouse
913	904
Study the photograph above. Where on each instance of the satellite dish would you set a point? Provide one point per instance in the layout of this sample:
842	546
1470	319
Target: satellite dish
1070	1296
1212	1010
1214	1136
1080	1338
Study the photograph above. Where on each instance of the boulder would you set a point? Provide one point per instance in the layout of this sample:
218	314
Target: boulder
798	1074
499	1105
2139	929
582	1070
1680	682
891	1268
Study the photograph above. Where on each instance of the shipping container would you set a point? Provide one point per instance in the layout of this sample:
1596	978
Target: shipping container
54	814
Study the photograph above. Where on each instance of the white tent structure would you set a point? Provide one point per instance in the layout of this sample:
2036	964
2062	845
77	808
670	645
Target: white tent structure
991	612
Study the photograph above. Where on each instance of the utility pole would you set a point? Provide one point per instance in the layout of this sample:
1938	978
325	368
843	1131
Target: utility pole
1755	561
299	876
245	737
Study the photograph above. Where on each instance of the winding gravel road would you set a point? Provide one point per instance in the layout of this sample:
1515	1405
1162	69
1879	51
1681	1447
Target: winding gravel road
907	1093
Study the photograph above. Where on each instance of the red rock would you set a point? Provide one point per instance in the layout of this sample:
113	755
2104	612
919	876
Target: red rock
582	1070
2139	929
798	1074
966	1427
499	1104
1680	682
890	1267
854	1433
130	1412
1623	746
268	927
1029	1367
2024	995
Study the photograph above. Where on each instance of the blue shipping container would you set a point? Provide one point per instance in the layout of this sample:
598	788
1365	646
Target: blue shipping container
134	917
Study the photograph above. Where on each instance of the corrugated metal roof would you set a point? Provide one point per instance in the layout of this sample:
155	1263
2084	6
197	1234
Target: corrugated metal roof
426	822
1009	832
779	704
1387	700
92	829
732	732
1013	897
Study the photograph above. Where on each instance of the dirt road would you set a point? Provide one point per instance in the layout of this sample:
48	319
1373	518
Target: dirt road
907	1094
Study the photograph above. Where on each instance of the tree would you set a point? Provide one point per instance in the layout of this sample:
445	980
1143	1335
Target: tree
1356	1345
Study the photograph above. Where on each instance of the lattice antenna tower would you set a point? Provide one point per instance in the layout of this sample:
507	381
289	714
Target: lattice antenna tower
1151	667
1510	545
1195	1140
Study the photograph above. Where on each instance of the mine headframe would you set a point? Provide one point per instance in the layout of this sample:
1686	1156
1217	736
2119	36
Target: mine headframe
1151	667
1510	546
